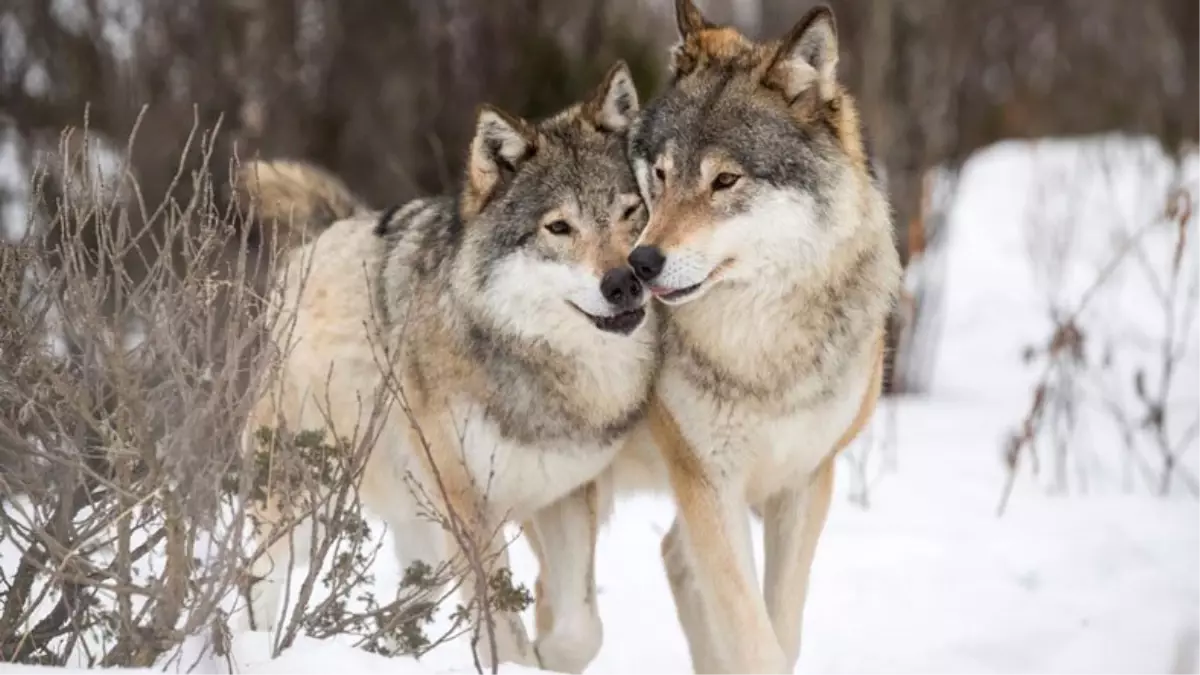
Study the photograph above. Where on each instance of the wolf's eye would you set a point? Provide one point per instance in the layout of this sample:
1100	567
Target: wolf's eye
724	181
629	212
558	227
660	174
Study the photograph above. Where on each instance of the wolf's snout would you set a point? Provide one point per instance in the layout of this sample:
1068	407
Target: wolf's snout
647	262
620	287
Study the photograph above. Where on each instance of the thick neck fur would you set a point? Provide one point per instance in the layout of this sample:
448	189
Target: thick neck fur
570	384
785	338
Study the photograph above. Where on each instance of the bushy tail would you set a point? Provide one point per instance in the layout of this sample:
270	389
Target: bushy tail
293	201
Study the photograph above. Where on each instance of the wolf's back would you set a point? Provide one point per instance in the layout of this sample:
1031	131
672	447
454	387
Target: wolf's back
294	201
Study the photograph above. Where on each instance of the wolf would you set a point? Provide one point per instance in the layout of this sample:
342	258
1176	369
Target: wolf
524	345
769	246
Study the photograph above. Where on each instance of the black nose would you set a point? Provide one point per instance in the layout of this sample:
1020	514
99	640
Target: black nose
620	287
647	262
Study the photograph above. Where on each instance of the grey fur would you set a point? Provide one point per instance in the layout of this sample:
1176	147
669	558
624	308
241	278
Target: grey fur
725	107
720	109
530	389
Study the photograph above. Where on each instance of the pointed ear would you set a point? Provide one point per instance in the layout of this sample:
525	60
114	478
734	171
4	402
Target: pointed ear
807	57
613	105
501	144
689	19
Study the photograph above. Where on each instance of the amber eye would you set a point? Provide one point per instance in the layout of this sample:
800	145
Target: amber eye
724	181
631	211
558	227
660	174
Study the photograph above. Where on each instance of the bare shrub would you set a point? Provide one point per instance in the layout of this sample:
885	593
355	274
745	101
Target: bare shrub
123	428
1092	361
128	497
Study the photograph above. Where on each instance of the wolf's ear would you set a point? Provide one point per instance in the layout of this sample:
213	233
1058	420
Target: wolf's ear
807	57
501	144
614	104
689	19
685	54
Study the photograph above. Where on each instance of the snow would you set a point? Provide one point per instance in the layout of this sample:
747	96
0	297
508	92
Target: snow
250	652
1095	576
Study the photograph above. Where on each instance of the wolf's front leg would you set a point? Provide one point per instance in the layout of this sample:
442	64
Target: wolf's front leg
716	535
279	551
563	537
474	542
689	604
486	553
715	527
792	524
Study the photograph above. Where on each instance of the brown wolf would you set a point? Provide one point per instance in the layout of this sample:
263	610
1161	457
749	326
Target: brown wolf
770	244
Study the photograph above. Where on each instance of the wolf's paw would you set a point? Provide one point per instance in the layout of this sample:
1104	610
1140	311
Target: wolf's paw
570	645
512	643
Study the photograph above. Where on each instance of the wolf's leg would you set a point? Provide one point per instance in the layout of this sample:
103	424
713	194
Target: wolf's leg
792	523
416	539
543	615
273	569
491	552
716	532
477	535
563	537
689	604
402	499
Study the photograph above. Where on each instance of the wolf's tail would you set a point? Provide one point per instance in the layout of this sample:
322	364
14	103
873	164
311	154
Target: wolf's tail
292	201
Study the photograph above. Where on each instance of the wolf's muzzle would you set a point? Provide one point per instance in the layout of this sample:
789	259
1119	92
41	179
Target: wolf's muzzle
625	298
647	262
621	288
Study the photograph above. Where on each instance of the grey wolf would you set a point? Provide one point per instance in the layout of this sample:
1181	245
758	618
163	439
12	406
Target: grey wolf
525	346
769	245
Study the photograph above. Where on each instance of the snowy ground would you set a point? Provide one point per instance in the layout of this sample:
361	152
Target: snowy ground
929	579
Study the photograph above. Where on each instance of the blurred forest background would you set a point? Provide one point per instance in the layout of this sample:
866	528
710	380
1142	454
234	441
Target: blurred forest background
383	93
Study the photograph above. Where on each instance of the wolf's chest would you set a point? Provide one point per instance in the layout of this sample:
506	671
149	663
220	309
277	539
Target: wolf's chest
517	477
766	445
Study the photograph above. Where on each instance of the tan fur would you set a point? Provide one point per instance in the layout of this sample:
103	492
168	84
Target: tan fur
776	364
311	395
560	592
514	396
723	47
688	216
296	199
482	178
687	210
870	398
785	587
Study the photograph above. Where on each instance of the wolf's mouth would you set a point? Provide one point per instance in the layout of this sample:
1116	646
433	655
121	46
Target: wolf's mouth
676	295
623	323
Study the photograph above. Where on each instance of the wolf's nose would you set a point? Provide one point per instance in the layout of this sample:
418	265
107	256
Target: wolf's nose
647	262
619	286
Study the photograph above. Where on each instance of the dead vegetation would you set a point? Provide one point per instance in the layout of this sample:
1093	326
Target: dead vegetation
1092	363
125	522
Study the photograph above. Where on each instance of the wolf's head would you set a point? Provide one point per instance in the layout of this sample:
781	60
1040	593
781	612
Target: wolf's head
550	211
751	162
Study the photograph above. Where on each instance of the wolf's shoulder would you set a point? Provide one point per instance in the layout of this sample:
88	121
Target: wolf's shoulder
418	238
416	215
